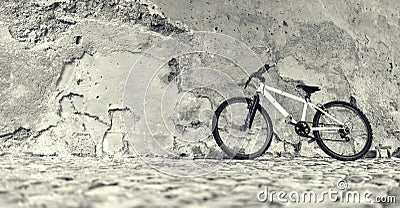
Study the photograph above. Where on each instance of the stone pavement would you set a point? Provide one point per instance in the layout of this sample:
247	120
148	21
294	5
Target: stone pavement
135	182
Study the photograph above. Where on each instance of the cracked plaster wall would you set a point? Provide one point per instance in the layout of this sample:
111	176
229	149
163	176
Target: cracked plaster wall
64	64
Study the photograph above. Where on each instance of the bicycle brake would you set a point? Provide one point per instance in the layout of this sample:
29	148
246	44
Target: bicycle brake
247	82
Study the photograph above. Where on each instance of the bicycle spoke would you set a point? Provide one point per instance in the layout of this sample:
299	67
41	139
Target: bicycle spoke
353	146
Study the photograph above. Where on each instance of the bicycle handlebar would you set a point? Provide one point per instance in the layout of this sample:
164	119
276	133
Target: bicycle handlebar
258	74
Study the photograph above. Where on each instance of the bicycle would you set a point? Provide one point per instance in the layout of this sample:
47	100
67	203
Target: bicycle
332	124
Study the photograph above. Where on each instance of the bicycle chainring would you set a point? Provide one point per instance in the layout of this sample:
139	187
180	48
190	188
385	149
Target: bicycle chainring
302	128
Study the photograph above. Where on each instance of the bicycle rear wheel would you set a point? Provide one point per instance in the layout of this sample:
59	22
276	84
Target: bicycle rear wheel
352	140
234	137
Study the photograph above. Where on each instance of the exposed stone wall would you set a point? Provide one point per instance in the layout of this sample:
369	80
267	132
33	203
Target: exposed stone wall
64	65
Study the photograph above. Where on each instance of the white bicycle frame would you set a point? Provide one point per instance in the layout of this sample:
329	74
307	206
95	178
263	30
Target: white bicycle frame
263	89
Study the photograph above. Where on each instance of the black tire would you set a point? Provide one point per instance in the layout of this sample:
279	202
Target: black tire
359	116
229	150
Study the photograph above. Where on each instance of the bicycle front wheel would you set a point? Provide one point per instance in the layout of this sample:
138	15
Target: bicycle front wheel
349	141
232	134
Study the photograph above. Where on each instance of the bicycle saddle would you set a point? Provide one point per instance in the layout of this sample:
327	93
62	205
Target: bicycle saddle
308	89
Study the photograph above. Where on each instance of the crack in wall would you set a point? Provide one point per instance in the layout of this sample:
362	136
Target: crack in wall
94	117
65	65
349	86
110	126
20	133
40	132
69	96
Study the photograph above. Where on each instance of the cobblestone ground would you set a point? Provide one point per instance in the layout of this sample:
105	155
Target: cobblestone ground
131	182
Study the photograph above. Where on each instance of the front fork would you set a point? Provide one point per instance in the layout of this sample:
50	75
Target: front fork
252	110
